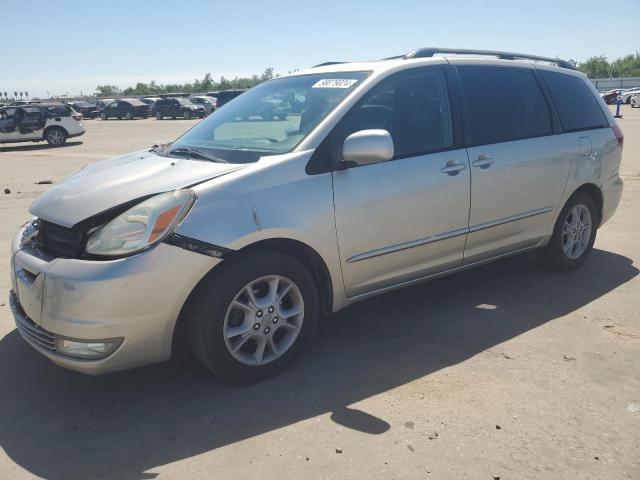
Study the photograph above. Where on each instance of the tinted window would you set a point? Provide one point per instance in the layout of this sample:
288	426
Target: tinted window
577	106
503	104
59	110
412	106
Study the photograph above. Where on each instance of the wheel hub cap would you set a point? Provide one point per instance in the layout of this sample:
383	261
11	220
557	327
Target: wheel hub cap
263	320
576	231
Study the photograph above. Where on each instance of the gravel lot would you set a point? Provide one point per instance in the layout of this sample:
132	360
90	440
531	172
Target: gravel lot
505	371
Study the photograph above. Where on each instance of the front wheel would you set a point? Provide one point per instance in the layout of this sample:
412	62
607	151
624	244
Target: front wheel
250	319
56	136
159	115
103	116
128	116
186	114
573	235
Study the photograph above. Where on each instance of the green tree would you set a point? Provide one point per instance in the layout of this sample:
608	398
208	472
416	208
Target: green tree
595	67
107	91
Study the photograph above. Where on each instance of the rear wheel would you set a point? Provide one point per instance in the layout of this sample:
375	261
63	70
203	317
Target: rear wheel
103	116
573	235
128	116
264	310
56	136
187	114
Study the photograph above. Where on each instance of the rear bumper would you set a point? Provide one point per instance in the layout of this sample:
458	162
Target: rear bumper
76	134
138	299
611	195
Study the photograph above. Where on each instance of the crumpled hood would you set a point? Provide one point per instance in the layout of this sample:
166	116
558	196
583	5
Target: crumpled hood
112	182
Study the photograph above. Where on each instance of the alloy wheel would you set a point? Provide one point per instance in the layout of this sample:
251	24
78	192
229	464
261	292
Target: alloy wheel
263	320
576	231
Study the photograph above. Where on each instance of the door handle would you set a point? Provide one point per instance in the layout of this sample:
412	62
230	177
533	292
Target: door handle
484	161
453	168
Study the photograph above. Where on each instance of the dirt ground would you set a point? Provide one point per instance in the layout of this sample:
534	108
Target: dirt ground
506	371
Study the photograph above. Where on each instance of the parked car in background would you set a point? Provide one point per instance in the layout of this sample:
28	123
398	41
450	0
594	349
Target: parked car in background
175	107
88	110
239	236
627	94
208	103
54	123
635	101
151	102
103	102
224	96
127	108
610	96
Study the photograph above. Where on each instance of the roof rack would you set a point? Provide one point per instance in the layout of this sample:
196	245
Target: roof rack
430	52
327	63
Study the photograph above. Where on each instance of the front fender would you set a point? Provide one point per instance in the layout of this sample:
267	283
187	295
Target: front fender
274	198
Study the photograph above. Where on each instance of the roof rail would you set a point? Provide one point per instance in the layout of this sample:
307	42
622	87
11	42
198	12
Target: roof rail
430	52
327	63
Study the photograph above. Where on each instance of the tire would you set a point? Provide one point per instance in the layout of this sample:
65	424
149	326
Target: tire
128	116
559	253
56	136
210	316
159	115
119	117
187	115
144	117
103	116
281	117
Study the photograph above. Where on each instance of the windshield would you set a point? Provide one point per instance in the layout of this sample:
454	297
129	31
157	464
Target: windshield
184	101
271	118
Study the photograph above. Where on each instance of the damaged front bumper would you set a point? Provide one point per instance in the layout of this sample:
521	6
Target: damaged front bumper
127	307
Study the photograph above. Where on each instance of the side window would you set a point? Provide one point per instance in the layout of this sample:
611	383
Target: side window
32	112
577	106
503	104
413	106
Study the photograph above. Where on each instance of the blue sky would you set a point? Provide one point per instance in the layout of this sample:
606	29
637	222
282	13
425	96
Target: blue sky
71	46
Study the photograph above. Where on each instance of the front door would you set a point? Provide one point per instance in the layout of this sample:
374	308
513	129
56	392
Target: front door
8	129
407	218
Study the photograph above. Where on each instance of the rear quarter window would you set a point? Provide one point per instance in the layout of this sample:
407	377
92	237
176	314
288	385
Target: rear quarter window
503	104
59	110
577	106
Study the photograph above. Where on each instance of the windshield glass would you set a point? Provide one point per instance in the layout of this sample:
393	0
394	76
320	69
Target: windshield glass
271	118
184	101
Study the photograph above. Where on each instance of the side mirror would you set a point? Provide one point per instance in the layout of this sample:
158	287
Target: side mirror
368	146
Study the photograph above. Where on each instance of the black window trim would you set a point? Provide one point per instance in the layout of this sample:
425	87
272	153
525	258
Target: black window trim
334	164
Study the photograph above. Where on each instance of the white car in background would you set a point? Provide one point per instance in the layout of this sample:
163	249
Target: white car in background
628	94
52	122
635	100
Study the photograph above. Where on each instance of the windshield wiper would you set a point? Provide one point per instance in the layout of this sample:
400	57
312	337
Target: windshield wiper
195	153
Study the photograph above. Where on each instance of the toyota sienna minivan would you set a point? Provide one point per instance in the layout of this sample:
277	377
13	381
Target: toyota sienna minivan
239	235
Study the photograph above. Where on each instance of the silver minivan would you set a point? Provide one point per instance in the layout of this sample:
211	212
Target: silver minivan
243	232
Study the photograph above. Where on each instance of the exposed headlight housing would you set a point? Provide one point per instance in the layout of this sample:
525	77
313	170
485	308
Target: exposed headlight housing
141	226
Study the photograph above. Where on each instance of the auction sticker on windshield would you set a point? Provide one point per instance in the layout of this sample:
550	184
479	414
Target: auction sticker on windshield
334	83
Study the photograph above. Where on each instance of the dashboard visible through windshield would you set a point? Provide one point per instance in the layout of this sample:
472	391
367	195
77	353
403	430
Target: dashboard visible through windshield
271	118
